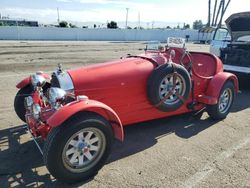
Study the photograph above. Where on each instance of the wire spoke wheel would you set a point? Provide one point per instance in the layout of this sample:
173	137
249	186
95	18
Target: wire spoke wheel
83	149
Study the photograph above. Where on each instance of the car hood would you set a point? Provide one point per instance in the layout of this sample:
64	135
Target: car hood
238	25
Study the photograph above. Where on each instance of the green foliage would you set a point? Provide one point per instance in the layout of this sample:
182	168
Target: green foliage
3	24
63	24
139	28
72	26
112	25
186	26
197	24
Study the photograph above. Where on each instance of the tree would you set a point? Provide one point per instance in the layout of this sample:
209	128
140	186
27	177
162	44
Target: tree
63	24
94	25
4	24
112	25
72	26
197	24
139	27
186	26
168	27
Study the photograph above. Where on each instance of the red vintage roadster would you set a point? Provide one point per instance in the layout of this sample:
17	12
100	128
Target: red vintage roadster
79	112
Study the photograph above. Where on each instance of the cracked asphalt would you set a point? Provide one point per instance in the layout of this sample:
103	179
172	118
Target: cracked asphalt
172	152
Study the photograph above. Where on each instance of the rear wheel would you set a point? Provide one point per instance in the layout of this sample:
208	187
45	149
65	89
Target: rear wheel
225	101
19	101
77	150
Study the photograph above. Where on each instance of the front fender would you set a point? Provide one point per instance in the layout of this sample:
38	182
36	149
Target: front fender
70	109
26	81
217	82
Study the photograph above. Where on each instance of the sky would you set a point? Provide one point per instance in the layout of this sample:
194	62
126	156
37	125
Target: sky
171	12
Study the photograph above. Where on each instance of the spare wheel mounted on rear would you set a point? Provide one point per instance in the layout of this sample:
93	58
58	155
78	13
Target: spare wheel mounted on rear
168	87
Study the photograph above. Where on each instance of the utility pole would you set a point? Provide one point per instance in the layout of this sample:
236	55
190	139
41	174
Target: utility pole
223	11
209	14
139	21
218	13
126	26
58	18
215	8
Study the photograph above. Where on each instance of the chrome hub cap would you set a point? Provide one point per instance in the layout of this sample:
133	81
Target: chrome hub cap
169	84
84	149
225	100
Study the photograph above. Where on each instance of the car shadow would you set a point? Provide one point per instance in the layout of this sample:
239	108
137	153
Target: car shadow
242	101
22	164
145	135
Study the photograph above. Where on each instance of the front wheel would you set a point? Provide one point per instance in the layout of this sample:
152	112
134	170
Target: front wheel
19	101
77	150
225	101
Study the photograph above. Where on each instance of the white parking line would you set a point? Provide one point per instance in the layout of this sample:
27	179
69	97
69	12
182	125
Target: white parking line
211	166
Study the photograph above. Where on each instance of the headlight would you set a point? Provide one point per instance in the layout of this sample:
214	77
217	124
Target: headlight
38	80
63	81
36	110
56	94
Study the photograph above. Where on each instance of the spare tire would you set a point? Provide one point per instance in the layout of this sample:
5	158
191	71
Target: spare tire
168	87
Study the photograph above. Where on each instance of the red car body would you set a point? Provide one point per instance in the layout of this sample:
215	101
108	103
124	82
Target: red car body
117	90
78	112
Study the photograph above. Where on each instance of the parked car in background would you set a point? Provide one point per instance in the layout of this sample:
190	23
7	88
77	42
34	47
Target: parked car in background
232	44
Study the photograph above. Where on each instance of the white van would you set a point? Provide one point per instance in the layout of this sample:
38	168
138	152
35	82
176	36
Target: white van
232	45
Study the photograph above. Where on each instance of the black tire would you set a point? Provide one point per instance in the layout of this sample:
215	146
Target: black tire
214	111
154	84
59	137
19	101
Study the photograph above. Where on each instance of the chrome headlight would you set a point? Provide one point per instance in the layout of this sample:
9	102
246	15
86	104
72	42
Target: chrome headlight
62	80
56	94
38	80
36	110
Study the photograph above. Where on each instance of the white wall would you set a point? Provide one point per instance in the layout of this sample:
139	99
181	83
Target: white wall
45	33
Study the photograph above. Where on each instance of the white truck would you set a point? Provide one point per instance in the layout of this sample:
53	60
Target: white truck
232	44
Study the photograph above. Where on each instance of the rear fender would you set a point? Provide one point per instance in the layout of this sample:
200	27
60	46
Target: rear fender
26	81
67	111
217	82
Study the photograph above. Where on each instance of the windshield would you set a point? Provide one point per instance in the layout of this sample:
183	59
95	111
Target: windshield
222	34
153	45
